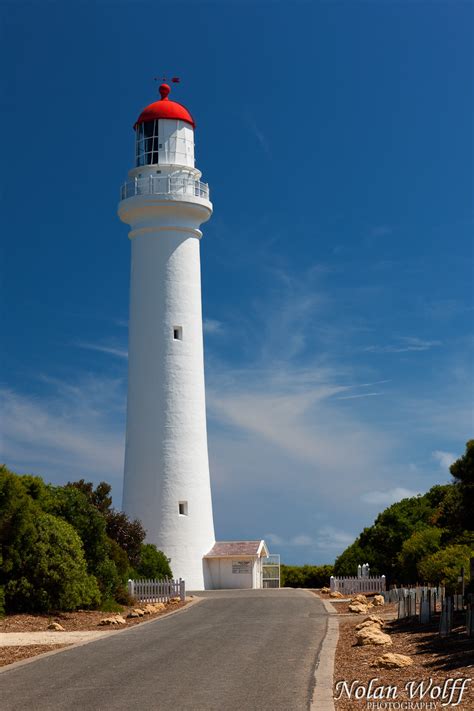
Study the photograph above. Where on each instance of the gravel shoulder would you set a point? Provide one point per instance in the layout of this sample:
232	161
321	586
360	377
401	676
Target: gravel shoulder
436	662
434	659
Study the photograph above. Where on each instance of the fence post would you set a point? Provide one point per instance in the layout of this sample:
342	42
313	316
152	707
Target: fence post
182	590
131	588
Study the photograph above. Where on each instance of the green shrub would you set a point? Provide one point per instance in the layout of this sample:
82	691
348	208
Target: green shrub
110	605
108	579
52	573
305	576
421	544
152	564
444	566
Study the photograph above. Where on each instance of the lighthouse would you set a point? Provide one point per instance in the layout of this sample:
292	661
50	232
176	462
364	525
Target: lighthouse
166	475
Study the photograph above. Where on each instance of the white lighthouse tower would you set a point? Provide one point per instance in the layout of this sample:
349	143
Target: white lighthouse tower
166	479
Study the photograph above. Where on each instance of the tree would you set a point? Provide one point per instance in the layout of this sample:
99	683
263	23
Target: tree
17	522
128	534
153	564
73	506
463	473
305	576
354	555
444	566
52	573
99	497
420	544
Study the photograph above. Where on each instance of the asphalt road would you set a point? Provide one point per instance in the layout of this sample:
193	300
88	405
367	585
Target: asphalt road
249	650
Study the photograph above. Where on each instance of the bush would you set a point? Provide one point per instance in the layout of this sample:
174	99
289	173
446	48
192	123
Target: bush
110	605
444	566
152	564
108	579
128	534
305	576
421	544
72	505
52	574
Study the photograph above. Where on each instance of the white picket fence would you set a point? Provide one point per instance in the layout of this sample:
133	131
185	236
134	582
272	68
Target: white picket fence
157	590
351	586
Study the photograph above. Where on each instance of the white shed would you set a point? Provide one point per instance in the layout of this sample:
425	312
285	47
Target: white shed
235	564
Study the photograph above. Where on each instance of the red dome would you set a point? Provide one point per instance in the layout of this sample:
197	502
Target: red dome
165	109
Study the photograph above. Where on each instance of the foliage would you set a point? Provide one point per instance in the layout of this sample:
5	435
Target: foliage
99	497
107	578
463	473
120	559
17	511
444	566
128	534
2	592
409	539
27	538
110	605
72	506
305	576
52	573
153	564
354	555
421	543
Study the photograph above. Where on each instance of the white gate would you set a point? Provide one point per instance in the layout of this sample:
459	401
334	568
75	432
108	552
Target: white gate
156	590
350	586
271	571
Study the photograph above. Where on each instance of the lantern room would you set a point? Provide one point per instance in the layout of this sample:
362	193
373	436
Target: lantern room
164	134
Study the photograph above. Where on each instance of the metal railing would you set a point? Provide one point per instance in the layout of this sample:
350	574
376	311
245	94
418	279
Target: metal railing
271	571
164	185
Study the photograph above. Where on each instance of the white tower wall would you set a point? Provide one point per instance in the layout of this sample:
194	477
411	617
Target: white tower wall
166	480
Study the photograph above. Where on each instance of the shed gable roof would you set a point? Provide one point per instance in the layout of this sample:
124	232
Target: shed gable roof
227	549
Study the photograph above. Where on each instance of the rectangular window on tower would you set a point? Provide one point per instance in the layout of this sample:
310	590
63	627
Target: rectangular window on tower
178	333
183	508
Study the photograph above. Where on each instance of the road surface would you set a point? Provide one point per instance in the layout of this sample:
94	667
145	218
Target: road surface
236	650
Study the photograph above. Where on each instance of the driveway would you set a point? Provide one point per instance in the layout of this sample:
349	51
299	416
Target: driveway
236	650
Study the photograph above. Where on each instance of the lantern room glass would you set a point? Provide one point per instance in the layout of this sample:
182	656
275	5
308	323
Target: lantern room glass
146	151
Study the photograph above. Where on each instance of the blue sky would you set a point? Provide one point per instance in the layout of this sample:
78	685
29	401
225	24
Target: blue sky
337	267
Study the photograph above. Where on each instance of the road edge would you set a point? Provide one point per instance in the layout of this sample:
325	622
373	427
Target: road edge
73	645
323	694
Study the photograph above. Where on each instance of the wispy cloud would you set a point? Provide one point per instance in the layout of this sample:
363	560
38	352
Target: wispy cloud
355	397
405	344
258	133
103	348
324	538
76	431
385	498
290	439
212	326
122	323
444	459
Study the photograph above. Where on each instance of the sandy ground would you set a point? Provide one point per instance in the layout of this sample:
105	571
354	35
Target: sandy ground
23	639
23	636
